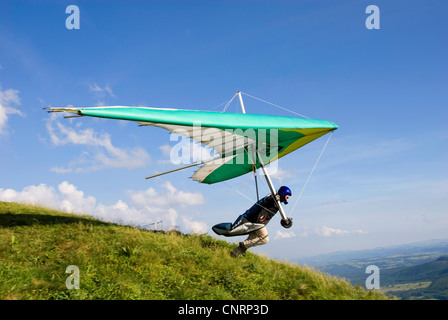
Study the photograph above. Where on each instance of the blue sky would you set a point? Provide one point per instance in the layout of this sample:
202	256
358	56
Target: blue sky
381	181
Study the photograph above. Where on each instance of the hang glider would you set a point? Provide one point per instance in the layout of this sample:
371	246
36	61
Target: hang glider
244	142
230	134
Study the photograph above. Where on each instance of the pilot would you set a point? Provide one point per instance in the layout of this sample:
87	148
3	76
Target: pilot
261	212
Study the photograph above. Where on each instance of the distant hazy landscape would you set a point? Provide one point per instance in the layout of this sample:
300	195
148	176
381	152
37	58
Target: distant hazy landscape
412	271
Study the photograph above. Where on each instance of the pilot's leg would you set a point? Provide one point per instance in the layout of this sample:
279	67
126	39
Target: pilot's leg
255	238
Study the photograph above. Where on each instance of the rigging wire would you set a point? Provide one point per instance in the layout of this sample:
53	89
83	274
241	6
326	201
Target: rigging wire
247	197
311	173
272	104
229	102
315	164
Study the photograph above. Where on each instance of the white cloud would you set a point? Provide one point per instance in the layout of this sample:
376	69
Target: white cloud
195	226
329	232
41	194
8	98
145	207
170	197
104	153
166	150
101	92
279	174
61	170
74	200
331	202
284	235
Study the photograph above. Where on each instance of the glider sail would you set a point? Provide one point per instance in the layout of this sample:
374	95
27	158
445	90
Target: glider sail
235	137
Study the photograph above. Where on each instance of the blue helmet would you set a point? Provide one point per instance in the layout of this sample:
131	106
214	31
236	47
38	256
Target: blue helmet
284	191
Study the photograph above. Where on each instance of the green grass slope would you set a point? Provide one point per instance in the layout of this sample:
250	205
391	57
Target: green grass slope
119	262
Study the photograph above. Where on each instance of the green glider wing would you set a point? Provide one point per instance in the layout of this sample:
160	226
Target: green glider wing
235	136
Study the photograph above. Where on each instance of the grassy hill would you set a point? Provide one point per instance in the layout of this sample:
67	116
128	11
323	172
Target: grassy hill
119	262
